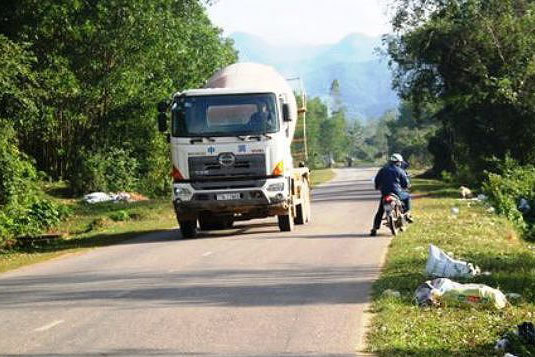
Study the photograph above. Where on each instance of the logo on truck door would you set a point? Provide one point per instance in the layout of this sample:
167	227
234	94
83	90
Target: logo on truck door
226	159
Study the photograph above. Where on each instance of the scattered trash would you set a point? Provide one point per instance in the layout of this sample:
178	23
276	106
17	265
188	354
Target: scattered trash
509	355
513	296
391	293
526	330
486	273
502	344
99	197
465	192
511	236
455	211
517	339
491	210
440	264
523	206
442	290
482	197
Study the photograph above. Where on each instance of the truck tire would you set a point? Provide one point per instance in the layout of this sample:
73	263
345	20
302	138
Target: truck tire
302	210
286	221
188	229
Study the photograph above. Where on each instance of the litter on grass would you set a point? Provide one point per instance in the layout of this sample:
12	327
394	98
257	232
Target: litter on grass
482	197
441	265
518	340
99	197
391	293
523	206
439	291
513	296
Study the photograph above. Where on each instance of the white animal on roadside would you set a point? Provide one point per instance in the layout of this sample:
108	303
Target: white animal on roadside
466	192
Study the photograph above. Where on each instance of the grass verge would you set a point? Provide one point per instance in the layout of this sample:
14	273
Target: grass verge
92	226
320	176
400	328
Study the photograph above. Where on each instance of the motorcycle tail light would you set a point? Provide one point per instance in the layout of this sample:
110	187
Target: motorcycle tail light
388	199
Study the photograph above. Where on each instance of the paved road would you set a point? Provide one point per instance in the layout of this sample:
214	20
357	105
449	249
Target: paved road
253	291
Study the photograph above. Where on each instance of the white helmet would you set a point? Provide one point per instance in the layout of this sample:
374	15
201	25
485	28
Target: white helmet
396	158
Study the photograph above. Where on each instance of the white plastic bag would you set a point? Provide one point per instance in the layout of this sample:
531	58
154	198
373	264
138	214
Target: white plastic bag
439	264
442	290
97	197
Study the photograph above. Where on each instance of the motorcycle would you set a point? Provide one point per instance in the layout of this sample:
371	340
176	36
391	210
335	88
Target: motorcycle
394	213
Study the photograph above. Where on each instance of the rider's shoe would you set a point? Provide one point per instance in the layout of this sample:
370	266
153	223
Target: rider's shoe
373	233
409	219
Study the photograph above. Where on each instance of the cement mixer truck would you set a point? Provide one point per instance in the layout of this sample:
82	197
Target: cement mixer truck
230	147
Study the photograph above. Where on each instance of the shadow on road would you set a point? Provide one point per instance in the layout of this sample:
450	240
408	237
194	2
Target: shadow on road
299	285
175	353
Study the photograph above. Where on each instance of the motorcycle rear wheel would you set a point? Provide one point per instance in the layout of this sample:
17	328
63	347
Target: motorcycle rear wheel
391	222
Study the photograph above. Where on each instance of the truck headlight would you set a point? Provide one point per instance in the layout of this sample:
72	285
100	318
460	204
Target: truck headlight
276	187
181	191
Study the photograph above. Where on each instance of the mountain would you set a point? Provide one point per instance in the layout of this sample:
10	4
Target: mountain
365	80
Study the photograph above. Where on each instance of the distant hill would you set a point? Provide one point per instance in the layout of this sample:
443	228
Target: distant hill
365	80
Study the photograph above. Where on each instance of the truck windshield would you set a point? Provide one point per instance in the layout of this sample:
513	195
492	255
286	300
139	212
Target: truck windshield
225	115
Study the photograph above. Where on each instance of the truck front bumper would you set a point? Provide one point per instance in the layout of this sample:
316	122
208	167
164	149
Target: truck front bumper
251	202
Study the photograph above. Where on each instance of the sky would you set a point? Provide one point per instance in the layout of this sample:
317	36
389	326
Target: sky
301	21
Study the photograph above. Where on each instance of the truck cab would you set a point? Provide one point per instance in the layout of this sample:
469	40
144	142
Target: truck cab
231	157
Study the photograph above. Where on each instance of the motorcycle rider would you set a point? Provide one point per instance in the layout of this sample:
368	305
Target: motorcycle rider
392	179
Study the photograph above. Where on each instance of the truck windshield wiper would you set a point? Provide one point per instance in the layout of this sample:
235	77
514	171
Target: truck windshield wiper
257	137
200	139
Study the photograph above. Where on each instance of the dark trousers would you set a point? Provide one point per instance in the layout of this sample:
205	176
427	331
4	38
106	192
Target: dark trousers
379	215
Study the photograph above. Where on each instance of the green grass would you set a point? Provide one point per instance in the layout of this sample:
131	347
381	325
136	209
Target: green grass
400	328
321	176
93	226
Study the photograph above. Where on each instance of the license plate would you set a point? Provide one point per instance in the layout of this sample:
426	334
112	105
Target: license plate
228	196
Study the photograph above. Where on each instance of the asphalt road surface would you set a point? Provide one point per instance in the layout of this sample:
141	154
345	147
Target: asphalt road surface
250	291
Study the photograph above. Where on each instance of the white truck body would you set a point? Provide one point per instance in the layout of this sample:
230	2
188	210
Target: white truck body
230	147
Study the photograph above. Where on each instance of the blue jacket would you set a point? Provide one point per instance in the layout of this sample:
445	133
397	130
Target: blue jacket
391	179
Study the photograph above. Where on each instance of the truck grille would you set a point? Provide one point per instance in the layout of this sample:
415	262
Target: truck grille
206	173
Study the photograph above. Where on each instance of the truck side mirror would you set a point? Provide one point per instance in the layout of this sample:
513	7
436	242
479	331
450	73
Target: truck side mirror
162	122
286	112
162	106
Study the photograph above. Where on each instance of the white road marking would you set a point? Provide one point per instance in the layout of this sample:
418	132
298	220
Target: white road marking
49	326
207	254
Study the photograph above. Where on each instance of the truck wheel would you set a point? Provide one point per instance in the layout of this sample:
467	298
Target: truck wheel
188	228
299	214
286	221
302	210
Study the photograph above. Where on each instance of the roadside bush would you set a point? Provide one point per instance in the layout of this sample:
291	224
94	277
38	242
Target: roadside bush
112	170
120	216
507	188
31	220
17	174
22	210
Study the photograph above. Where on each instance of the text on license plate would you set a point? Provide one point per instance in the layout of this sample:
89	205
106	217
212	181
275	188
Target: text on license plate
228	196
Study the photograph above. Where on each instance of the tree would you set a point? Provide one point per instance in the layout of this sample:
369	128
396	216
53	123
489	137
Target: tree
102	65
473	60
